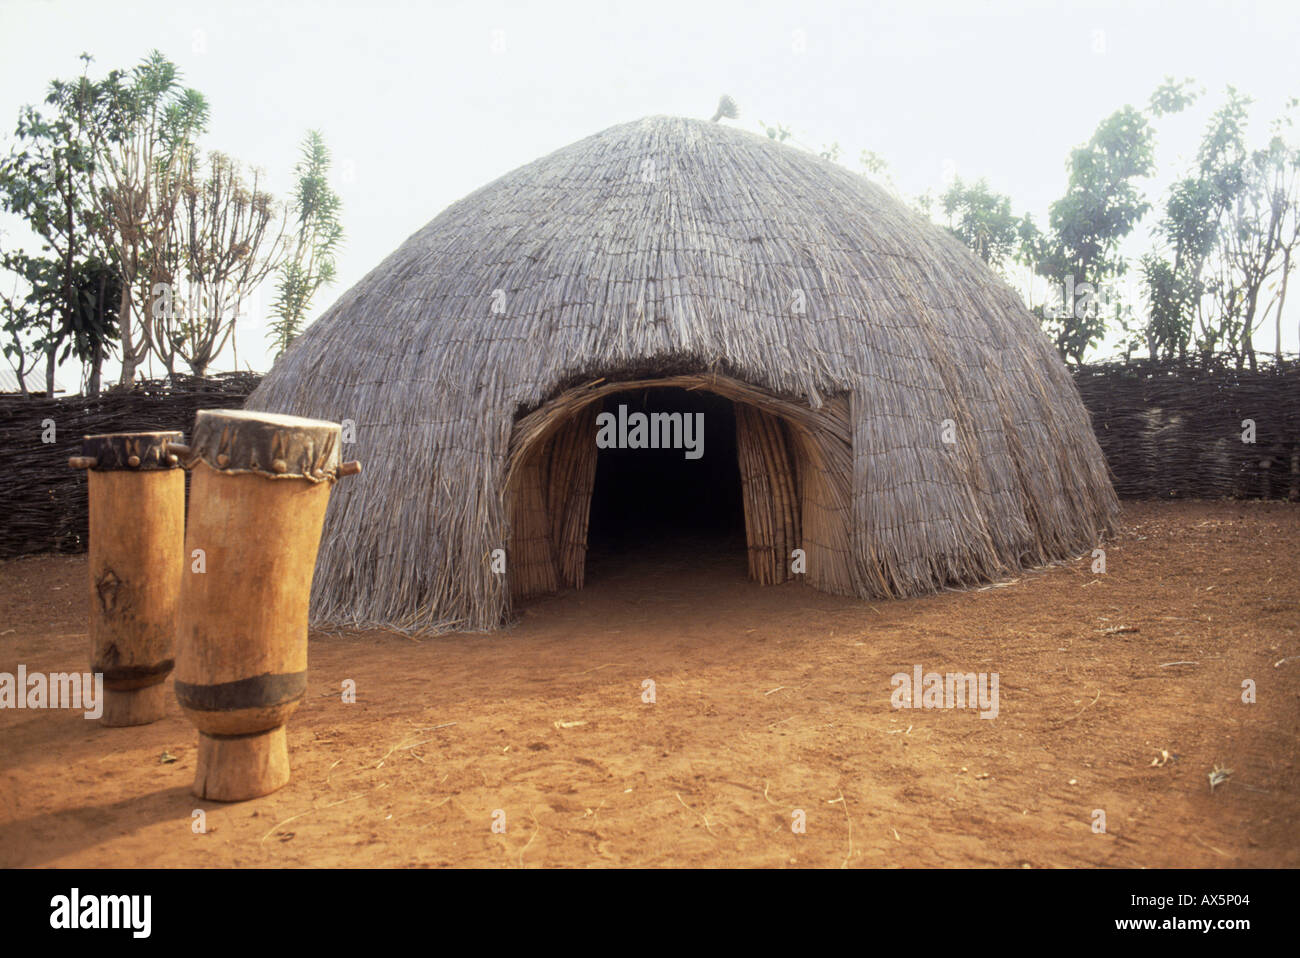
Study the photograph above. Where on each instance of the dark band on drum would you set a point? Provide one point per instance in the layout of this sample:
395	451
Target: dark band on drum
235	736
260	691
129	676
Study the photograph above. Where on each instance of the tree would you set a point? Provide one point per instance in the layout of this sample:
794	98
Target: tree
16	323
142	126
1288	190
1174	276
310	264
43	322
1253	245
28	319
46	180
1170	306
92	329
225	236
1173	96
982	219
1080	252
33	322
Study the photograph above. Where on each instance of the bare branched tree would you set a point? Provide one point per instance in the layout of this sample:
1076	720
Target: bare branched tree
225	237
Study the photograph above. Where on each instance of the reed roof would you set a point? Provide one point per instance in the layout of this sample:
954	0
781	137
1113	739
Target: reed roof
671	246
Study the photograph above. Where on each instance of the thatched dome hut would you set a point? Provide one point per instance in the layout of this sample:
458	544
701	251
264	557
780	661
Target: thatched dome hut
899	415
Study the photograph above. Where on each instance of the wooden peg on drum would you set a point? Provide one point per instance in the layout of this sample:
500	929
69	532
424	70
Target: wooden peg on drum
260	484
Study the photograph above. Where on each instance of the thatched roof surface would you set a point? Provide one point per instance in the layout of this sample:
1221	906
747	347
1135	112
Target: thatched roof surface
670	245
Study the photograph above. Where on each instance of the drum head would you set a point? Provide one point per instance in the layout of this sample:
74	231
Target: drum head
271	445
130	451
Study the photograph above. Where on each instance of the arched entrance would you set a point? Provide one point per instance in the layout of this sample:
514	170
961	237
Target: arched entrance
668	486
793	463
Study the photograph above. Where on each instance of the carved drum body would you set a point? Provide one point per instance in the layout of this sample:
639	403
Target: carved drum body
260	484
137	533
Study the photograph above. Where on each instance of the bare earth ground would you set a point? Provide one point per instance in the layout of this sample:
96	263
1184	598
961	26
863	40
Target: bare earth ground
768	700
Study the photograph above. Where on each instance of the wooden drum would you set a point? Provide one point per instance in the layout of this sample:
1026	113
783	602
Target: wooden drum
259	487
137	532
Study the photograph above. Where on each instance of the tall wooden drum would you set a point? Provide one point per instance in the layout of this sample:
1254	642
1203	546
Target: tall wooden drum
259	487
137	532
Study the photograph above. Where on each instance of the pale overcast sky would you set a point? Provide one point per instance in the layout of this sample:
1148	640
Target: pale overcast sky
425	102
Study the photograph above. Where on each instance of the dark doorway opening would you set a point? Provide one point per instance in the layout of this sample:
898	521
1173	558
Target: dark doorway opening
657	505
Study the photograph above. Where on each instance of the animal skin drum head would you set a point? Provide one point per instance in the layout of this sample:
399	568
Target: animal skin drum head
143	451
271	445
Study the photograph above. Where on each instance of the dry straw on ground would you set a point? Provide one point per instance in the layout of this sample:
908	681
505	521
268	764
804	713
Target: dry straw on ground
846	328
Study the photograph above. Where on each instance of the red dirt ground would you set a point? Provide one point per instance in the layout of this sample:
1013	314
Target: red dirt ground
768	700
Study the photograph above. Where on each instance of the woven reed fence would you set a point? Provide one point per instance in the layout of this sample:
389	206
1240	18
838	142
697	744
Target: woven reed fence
1167	432
42	500
1176	431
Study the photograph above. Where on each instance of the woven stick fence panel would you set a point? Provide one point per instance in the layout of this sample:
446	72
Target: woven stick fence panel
43	505
1177	431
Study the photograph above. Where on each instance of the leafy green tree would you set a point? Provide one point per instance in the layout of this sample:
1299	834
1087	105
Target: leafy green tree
310	263
43	322
142	126
1173	96
47	180
91	328
1170	306
17	323
982	219
29	314
1189	229
1080	251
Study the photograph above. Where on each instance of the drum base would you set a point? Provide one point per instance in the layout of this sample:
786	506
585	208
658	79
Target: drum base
135	706
237	769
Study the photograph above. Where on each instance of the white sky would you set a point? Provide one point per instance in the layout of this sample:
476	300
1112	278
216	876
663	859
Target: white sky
424	102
